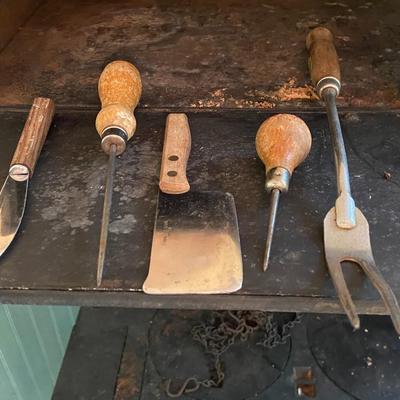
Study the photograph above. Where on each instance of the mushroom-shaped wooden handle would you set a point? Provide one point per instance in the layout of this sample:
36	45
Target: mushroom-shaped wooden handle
32	139
177	143
120	88
323	61
284	141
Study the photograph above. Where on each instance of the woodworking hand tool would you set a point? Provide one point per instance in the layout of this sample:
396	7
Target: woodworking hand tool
346	230
282	142
120	88
196	246
14	192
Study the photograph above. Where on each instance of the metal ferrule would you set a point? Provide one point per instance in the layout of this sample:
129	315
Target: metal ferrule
328	82
19	172
114	135
277	178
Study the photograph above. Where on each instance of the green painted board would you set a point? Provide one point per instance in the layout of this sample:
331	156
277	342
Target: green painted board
33	340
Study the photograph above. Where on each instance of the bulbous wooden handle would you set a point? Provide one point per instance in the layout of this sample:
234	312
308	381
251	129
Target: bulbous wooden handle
120	88
32	139
283	140
177	143
323	61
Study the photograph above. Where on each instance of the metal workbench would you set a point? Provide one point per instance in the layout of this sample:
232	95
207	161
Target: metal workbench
229	66
53	258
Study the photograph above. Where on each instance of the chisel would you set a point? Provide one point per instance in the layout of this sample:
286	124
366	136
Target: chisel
119	87
282	142
14	192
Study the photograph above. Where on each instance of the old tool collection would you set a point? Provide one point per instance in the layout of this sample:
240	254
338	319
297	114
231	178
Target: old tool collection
196	246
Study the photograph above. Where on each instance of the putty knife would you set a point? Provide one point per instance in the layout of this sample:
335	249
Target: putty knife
14	191
196	246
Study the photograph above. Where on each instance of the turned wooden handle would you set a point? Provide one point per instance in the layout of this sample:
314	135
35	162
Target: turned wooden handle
120	88
32	138
177	143
283	140
323	61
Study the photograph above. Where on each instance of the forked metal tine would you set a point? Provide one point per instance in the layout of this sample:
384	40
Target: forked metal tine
386	292
335	270
354	245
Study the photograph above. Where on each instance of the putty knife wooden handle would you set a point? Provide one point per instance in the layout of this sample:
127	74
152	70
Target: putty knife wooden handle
323	61
177	144
32	139
120	88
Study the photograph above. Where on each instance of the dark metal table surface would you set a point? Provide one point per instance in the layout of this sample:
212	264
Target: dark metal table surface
53	258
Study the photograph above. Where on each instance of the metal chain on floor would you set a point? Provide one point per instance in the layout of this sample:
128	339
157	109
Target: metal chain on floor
220	333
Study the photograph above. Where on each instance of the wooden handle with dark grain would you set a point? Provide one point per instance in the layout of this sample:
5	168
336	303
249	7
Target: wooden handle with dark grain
32	138
177	143
120	88
283	140
323	61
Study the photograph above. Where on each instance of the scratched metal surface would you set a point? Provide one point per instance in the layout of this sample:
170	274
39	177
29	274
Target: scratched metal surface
56	247
219	53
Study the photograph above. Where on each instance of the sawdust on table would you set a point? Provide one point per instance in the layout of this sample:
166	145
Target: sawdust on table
288	92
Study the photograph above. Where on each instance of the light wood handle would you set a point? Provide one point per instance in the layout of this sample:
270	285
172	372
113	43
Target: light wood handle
283	140
323	61
32	138
177	143
120	88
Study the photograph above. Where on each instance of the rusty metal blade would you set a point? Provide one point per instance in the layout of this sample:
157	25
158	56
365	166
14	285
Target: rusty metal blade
196	245
12	207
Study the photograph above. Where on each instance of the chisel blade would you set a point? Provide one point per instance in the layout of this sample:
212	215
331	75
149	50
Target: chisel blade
196	245
12	207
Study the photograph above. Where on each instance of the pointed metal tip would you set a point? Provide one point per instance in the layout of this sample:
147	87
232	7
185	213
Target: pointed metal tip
271	225
266	254
106	214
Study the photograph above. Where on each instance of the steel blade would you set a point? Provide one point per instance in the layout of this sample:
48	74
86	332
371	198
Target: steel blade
12	205
196	245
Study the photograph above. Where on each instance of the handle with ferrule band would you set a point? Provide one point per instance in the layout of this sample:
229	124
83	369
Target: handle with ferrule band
283	141
32	139
177	143
323	61
120	88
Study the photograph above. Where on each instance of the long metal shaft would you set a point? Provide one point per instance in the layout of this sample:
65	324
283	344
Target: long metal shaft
345	207
271	225
106	213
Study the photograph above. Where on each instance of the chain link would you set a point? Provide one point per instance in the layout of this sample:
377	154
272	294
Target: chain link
220	333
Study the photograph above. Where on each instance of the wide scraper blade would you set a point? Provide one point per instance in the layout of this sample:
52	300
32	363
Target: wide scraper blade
196	245
12	206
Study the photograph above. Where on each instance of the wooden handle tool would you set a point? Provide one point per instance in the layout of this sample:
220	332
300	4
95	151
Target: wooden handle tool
323	61
282	142
120	88
177	143
32	139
